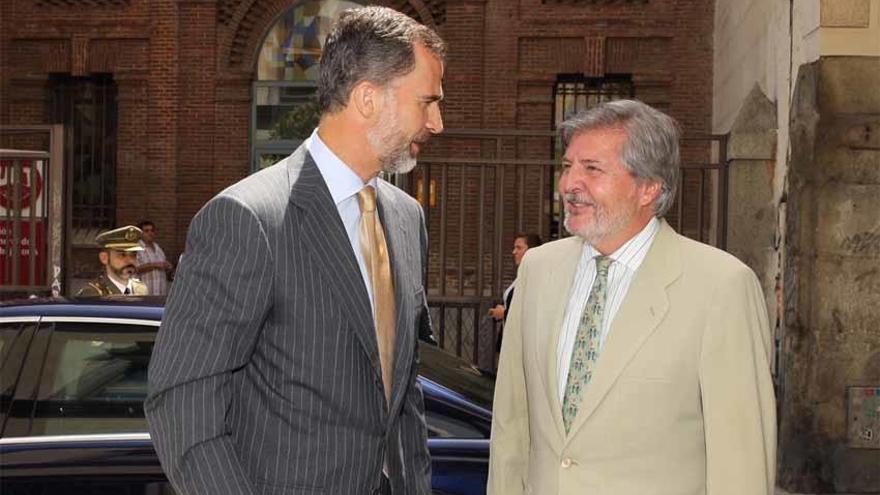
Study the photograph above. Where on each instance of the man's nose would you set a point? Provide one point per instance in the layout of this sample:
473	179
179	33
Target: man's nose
435	120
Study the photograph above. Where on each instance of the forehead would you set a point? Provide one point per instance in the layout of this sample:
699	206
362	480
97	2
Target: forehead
427	75
596	144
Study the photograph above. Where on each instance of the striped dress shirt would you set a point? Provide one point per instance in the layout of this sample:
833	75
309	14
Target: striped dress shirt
627	260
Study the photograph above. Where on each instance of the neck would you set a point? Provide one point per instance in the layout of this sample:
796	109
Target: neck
112	276
612	243
348	140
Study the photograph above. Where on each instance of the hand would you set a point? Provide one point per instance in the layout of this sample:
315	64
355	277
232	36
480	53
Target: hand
166	265
497	313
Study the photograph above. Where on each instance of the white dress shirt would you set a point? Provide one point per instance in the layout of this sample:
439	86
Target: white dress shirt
344	186
627	260
122	287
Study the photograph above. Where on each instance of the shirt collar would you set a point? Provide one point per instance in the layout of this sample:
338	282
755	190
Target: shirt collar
631	253
340	178
119	286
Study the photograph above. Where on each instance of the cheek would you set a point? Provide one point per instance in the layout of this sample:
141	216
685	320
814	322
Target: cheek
563	182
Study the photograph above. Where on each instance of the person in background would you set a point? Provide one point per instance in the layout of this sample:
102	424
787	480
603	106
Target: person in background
118	255
521	244
152	266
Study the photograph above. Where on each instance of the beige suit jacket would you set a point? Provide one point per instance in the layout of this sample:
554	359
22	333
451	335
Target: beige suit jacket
681	400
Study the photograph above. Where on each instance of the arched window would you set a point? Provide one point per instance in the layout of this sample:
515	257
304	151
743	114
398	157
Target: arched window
284	107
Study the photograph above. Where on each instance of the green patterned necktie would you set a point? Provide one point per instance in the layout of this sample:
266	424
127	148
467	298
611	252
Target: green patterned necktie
586	344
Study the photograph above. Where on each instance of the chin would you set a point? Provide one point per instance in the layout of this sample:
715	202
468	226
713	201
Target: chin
401	166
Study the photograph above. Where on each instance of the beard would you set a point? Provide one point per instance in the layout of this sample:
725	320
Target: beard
392	146
605	221
124	273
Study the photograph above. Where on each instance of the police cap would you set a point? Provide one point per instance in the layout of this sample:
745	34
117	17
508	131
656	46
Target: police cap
121	239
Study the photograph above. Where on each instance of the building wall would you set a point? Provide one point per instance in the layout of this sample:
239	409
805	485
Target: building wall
850	28
794	90
184	70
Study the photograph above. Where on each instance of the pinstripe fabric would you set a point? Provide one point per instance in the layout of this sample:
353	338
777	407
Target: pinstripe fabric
265	376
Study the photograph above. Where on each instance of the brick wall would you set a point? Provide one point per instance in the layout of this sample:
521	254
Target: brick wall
184	70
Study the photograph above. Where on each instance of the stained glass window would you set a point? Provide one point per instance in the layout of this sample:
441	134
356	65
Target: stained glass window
292	49
285	108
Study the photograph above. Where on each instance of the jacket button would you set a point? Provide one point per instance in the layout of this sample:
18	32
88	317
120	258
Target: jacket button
566	463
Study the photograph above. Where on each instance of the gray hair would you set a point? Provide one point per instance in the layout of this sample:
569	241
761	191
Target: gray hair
370	44
650	152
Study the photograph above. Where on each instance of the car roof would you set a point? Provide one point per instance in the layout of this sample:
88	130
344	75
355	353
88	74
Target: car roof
132	307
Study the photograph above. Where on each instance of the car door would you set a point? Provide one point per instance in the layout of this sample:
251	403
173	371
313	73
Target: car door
90	377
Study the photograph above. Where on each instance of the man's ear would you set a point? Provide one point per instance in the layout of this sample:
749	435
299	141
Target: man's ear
364	98
650	191
104	256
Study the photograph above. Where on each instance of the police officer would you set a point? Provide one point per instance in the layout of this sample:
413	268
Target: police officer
118	254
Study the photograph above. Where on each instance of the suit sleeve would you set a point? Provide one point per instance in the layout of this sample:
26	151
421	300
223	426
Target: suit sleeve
426	330
511	439
739	407
414	431
212	320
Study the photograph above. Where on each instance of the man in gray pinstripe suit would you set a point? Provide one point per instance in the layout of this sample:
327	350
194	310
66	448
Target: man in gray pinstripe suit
268	374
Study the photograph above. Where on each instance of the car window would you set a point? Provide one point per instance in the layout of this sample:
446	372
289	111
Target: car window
94	379
8	333
13	345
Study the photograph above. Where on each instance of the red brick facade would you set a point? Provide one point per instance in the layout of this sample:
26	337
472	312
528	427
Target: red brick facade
184	70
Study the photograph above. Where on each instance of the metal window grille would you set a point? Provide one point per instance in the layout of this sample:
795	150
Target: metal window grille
87	106
575	92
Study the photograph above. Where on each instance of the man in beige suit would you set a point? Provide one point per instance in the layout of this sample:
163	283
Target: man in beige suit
635	361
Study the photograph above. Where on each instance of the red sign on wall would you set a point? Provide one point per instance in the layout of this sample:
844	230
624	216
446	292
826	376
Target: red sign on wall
31	203
25	251
31	185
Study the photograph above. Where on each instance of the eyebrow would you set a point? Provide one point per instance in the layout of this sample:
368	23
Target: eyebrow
584	160
432	98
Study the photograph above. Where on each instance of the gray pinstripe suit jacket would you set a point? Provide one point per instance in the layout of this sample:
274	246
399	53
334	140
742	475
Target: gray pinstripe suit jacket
265	376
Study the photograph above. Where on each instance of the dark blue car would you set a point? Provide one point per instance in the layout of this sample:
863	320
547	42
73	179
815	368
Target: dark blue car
73	377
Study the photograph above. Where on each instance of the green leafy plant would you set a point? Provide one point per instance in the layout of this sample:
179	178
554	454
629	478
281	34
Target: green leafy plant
298	122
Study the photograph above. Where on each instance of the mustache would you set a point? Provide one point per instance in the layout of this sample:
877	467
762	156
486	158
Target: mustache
422	137
573	197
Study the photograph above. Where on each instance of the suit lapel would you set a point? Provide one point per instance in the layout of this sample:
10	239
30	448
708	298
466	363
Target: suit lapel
331	248
555	298
643	308
397	239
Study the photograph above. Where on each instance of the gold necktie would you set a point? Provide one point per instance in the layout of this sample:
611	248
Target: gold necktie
375	251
